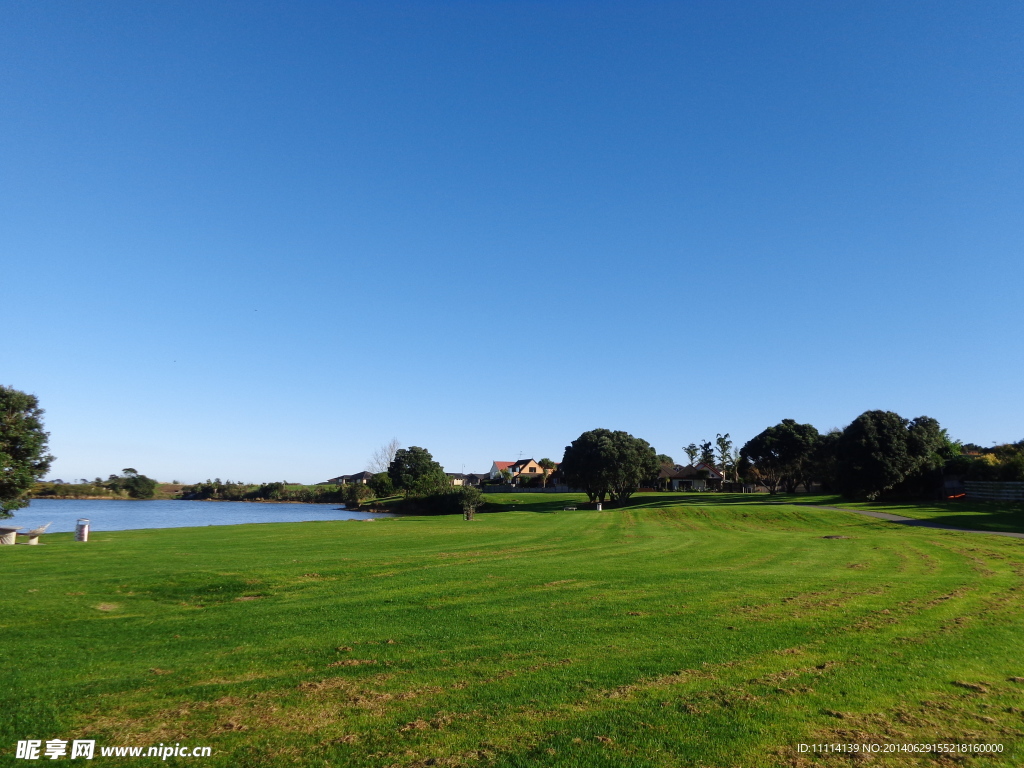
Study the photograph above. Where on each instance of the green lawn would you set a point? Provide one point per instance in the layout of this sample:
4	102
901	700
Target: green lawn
959	513
699	630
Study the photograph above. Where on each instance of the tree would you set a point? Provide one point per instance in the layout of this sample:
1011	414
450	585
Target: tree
383	456
609	464
823	460
381	485
23	443
782	454
354	494
414	468
881	449
135	485
547	466
692	451
724	452
665	460
471	499
707	453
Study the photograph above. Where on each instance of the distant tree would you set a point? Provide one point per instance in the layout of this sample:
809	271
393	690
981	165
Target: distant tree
724	453
881	449
381	485
471	499
823	463
782	454
692	452
23	443
381	459
135	485
505	475
734	463
354	494
664	459
761	460
414	468
707	453
609	464
547	466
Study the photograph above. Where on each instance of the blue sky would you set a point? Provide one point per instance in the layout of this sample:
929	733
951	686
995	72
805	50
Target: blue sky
257	240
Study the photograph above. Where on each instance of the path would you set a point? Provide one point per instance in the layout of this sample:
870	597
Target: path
913	521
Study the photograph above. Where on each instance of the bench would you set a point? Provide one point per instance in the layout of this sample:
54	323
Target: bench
33	535
568	509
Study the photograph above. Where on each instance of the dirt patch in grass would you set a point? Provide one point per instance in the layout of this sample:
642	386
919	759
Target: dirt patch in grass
107	607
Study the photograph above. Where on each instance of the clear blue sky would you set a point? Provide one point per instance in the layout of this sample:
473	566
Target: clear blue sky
256	240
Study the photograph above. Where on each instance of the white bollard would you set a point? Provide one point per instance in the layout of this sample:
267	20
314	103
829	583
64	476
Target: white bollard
82	530
599	506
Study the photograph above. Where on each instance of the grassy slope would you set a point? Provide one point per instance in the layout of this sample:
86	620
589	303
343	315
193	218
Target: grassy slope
960	513
676	633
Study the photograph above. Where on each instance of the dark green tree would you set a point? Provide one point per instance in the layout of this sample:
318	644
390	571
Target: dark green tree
23	443
707	453
354	494
782	454
881	449
381	485
471	499
664	459
823	463
137	486
606	464
414	470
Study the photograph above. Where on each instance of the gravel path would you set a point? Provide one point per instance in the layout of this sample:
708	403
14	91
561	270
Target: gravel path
914	522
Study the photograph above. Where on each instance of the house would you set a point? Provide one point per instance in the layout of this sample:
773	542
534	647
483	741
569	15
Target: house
497	467
696	477
519	470
360	478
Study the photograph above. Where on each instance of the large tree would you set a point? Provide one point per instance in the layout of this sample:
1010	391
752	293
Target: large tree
782	455
606	464
23	442
413	469
881	449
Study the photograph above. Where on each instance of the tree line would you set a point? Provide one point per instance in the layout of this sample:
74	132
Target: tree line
879	452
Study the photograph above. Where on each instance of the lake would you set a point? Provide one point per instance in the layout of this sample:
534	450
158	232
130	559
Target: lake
124	515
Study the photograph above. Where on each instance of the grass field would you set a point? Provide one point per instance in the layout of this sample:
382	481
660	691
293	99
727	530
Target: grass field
963	513
683	631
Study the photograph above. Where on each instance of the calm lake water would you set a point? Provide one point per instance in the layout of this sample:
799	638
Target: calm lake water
123	515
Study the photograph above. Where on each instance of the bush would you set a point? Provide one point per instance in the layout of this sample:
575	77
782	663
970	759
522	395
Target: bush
381	485
355	494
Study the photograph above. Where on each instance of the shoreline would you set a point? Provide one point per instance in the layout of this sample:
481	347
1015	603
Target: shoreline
227	501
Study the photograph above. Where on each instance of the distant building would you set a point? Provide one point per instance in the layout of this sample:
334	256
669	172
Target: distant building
524	468
359	478
696	477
